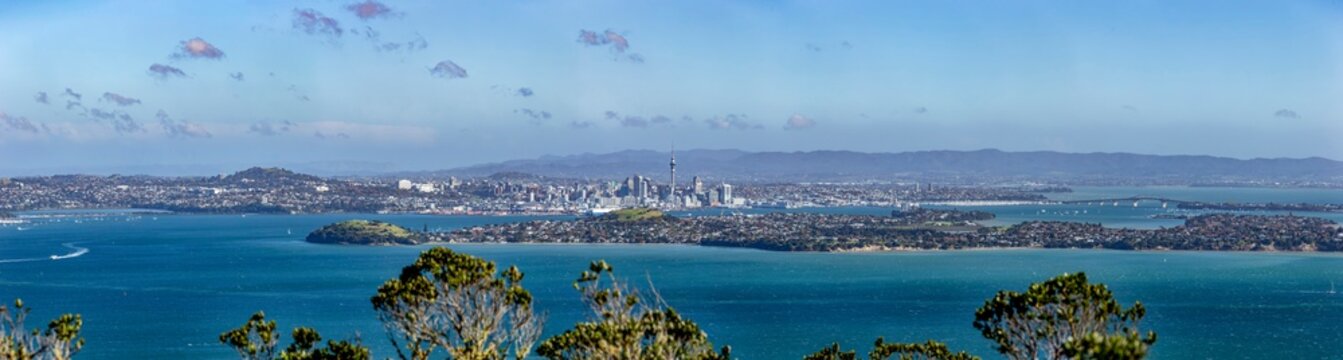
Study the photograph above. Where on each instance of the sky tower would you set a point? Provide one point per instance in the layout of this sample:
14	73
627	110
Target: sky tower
671	193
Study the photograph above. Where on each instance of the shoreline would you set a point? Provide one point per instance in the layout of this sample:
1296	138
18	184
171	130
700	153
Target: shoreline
866	251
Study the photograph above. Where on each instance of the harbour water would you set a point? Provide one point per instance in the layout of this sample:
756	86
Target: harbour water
164	286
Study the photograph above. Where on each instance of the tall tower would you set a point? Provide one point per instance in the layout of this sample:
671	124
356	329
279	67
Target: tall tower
671	193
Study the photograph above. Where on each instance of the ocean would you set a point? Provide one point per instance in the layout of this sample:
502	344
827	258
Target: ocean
165	286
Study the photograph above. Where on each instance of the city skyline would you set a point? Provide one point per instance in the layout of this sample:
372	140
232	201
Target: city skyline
419	86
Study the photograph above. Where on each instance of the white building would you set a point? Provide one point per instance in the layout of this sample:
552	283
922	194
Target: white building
404	184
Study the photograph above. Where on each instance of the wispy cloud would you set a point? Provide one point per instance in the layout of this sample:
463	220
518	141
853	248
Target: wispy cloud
197	48
525	92
322	135
732	121
447	69
370	9
920	110
535	115
1129	108
41	97
164	72
236	76
798	122
120	100
629	121
312	22
19	123
418	43
814	47
123	123
181	128
1286	114
100	114
267	128
580	124
371	132
73	94
609	38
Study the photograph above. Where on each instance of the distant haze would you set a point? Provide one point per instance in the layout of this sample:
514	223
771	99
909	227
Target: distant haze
214	86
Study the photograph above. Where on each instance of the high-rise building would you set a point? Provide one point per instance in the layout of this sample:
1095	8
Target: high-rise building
726	194
699	185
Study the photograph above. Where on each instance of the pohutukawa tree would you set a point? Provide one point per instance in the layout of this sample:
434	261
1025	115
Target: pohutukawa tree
1061	318
458	303
59	341
627	325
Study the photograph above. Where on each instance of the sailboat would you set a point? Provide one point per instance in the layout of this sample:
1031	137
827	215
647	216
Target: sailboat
1331	288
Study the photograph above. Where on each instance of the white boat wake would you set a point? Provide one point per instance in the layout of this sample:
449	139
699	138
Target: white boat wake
77	252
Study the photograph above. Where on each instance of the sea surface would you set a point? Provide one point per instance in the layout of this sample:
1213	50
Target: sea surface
165	286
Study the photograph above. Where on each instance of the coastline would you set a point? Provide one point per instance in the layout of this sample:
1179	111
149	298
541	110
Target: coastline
869	250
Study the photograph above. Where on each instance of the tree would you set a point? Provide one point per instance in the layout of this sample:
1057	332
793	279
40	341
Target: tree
832	352
59	341
1040	322
256	340
1097	346
305	347
626	325
930	350
458	303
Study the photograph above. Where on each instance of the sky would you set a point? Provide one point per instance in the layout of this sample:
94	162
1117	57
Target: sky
126	86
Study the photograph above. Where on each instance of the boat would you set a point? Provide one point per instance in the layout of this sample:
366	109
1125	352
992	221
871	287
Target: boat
1331	288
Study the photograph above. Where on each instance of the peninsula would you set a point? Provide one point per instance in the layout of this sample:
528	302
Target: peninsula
918	230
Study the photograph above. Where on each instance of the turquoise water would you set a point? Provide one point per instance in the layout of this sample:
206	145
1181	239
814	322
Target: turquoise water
164	286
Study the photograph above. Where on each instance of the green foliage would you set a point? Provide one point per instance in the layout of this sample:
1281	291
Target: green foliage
930	350
458	303
1038	323
832	352
59	341
364	232
305	347
256	340
626	325
1097	346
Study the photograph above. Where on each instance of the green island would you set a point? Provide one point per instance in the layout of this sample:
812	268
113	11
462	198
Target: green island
365	232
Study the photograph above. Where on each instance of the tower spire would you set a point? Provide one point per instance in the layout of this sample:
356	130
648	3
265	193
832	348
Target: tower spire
671	193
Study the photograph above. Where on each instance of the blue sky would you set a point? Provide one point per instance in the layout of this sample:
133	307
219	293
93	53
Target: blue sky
444	84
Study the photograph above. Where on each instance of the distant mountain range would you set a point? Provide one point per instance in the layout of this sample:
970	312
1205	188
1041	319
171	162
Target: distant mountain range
978	165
